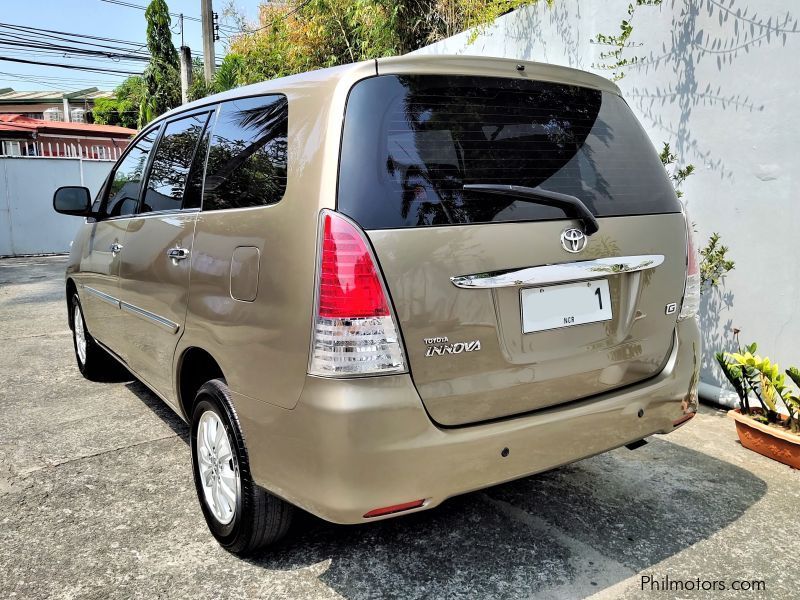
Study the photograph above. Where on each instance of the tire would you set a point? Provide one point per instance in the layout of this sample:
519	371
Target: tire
94	363
242	516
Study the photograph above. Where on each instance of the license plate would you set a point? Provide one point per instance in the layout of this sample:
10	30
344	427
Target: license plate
565	305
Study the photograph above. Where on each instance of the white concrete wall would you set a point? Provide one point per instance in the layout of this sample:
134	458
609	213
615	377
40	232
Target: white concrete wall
28	223
720	81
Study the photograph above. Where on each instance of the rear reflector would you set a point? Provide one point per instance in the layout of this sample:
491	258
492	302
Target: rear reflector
388	510
683	419
354	331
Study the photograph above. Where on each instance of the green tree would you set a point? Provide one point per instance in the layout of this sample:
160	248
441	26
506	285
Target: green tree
123	108
226	77
302	35
106	111
162	75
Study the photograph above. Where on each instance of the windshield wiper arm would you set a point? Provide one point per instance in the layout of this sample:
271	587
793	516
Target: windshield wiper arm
542	196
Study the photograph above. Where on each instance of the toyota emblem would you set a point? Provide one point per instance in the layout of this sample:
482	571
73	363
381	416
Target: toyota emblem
573	240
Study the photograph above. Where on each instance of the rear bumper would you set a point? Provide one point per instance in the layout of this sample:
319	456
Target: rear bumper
349	447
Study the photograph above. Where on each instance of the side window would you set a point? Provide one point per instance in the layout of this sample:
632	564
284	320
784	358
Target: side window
123	193
172	164
247	158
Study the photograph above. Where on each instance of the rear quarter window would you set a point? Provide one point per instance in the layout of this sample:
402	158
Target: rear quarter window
410	143
247	154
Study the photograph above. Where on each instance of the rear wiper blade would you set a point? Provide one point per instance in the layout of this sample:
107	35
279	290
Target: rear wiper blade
542	196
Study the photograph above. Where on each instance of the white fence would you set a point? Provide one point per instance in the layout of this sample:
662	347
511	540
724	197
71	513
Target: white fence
28	224
58	148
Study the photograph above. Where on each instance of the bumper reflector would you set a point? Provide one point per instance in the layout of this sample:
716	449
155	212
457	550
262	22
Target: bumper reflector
388	510
683	419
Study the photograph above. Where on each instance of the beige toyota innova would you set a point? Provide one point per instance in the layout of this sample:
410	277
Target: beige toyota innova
370	288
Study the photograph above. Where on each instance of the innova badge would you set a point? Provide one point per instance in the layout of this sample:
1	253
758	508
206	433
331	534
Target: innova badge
441	345
573	240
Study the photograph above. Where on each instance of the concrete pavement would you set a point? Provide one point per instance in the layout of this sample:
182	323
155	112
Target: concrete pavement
97	501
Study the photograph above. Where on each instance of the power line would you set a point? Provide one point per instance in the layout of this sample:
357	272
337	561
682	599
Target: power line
140	7
72	67
77	35
24	38
38	43
58	83
30	79
65	50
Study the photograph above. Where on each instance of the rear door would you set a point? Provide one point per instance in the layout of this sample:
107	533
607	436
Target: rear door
155	263
504	305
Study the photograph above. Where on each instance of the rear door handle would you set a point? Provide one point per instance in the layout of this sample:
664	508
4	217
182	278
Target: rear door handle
178	253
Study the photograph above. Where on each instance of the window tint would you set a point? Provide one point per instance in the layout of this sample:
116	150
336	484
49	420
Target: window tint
406	164
172	163
123	192
247	157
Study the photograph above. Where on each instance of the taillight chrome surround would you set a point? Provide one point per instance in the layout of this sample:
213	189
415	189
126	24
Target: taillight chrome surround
360	346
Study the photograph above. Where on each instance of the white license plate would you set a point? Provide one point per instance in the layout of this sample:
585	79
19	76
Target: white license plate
565	305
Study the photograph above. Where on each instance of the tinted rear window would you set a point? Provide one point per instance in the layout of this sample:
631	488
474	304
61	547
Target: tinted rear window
411	142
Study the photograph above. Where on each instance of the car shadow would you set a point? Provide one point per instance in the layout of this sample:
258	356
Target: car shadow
580	527
584	526
154	403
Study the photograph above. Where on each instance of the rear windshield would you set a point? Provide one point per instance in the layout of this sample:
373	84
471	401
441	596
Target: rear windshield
411	143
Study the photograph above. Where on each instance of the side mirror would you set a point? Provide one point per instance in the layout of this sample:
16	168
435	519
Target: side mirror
73	200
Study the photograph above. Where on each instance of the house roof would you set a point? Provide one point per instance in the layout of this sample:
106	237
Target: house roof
22	124
10	96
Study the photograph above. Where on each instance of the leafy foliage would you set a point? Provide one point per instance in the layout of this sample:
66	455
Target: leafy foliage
793	399
292	37
679	174
613	60
162	75
302	35
714	262
749	372
123	108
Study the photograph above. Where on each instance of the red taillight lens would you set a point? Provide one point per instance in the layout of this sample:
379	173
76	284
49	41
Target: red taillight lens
691	292
349	285
354	331
693	265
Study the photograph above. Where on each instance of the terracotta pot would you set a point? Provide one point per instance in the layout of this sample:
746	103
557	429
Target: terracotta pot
777	444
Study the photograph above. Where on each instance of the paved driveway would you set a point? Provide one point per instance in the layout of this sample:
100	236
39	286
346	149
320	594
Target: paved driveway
96	501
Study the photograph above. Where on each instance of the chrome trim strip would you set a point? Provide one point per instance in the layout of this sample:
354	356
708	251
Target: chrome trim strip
152	317
559	273
102	296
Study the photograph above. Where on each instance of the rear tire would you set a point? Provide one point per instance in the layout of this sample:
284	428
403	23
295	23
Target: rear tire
242	516
94	363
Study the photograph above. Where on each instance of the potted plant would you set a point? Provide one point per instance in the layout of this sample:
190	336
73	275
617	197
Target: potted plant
773	427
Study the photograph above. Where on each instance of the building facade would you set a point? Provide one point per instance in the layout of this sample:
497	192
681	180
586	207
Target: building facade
24	136
51	105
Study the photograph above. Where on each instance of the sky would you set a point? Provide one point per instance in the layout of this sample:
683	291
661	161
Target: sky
100	18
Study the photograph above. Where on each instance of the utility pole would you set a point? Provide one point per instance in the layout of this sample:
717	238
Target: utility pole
186	73
207	15
185	55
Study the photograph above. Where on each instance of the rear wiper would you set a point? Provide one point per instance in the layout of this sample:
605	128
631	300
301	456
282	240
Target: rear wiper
542	196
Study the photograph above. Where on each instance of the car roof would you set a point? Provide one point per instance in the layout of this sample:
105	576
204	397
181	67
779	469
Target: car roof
493	67
408	64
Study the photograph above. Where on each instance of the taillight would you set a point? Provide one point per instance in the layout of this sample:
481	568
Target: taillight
354	331
691	294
